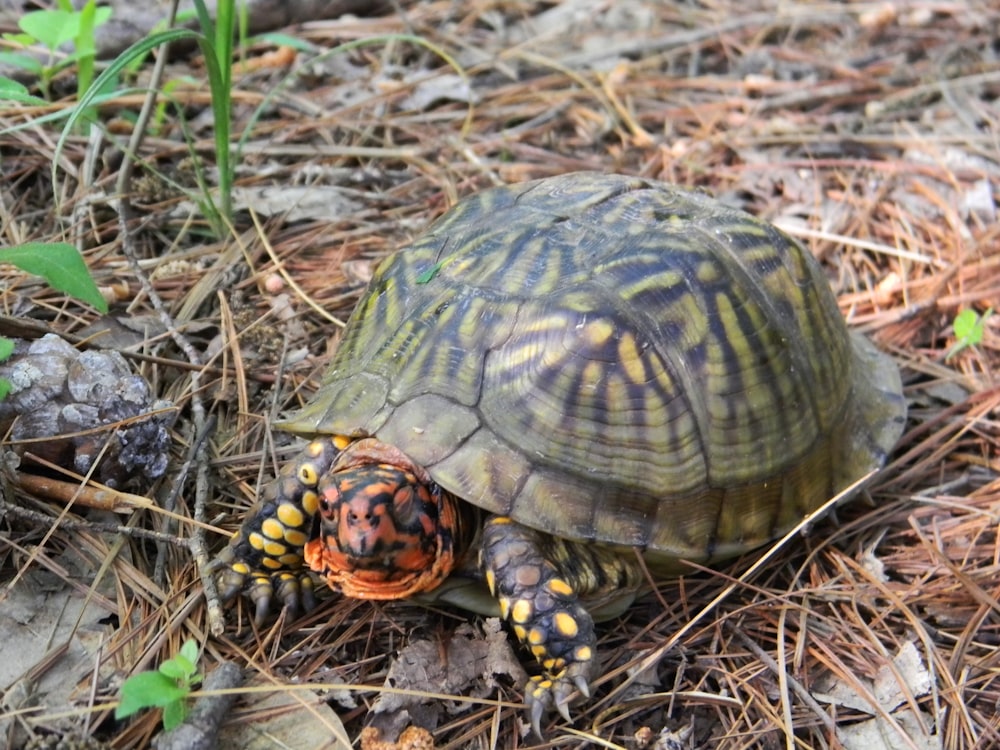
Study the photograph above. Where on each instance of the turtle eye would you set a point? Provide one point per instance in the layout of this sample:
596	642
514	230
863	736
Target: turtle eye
404	506
329	501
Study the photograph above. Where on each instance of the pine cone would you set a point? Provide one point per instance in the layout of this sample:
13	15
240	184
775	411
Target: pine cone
58	392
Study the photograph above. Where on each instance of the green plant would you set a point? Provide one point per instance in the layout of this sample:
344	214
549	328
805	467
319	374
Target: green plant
6	349
167	687
63	269
60	264
216	43
968	328
52	29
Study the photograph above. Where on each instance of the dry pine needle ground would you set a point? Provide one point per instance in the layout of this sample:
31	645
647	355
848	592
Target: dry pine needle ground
869	131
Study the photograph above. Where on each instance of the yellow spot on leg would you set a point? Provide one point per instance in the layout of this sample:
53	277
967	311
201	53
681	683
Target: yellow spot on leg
295	538
560	587
272	529
308	475
291	516
275	549
565	624
521	611
310	502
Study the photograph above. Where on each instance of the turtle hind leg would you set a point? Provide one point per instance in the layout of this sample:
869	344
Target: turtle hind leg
542	584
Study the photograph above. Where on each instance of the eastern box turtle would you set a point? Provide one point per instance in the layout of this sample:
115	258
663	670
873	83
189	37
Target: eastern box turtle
557	374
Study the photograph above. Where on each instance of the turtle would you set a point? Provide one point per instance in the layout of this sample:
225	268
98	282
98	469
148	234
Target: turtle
562	385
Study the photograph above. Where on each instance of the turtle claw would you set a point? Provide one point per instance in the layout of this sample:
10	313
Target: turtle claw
543	693
294	591
582	685
563	708
537	710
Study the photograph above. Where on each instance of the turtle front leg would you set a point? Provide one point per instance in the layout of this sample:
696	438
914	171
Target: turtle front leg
544	611
265	555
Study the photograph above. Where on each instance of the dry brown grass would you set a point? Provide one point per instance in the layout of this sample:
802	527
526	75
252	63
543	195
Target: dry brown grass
860	129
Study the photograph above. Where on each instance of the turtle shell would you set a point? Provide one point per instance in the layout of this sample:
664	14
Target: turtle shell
614	359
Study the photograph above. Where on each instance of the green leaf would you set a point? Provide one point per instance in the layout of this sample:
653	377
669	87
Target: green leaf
965	324
6	349
11	89
189	652
430	273
969	329
173	714
23	40
24	62
148	690
60	265
286	40
51	27
174	670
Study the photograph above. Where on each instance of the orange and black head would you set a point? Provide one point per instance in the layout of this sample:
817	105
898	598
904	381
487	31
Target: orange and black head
381	532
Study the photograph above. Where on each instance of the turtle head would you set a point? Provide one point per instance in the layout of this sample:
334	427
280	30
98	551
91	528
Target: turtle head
383	529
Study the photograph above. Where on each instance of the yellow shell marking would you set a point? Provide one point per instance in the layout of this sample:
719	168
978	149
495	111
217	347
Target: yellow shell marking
597	332
707	273
291	516
591	379
631	359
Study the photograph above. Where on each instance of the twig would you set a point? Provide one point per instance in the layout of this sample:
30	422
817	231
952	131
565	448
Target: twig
794	684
